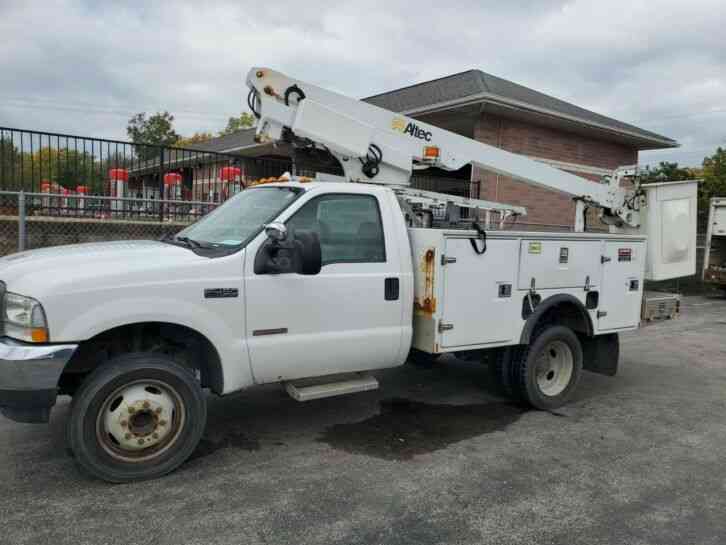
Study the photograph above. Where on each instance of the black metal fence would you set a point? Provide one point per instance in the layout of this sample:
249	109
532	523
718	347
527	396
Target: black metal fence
37	162
74	166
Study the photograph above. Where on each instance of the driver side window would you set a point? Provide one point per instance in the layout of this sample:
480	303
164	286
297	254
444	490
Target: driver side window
349	227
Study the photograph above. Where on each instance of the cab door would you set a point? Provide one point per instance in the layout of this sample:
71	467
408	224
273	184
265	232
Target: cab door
346	318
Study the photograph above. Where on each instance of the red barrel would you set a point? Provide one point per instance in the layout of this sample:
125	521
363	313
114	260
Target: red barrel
172	178
228	174
118	175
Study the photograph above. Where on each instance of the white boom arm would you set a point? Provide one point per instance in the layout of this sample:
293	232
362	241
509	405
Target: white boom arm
375	145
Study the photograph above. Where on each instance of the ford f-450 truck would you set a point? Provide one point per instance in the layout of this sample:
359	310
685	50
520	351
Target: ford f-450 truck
314	284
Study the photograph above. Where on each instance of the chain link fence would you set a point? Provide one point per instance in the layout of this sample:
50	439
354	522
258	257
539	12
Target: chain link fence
38	220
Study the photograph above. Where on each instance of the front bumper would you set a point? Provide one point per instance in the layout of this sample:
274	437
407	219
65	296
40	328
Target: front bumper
29	377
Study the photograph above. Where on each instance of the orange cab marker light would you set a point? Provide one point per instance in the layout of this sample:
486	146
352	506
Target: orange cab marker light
39	335
431	152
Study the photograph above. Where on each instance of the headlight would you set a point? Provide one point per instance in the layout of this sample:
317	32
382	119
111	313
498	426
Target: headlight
24	319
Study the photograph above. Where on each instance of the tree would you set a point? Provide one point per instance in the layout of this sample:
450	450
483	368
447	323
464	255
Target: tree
714	178
66	167
244	121
196	138
155	129
9	161
666	171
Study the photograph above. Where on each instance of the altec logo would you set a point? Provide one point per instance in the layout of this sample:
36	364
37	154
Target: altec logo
399	124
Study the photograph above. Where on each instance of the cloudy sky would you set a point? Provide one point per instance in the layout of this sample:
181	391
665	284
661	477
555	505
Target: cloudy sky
84	67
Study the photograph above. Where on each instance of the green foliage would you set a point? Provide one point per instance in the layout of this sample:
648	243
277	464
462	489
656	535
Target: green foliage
65	167
714	178
154	129
244	121
9	159
666	172
196	138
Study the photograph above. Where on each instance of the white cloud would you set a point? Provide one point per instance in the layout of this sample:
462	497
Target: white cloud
83	67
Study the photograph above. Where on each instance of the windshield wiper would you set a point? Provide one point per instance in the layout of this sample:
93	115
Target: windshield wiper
188	242
195	243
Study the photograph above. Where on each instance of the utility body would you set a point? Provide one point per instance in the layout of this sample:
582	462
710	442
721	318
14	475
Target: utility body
314	284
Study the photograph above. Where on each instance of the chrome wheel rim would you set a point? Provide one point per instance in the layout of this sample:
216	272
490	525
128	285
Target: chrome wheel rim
555	365
140	420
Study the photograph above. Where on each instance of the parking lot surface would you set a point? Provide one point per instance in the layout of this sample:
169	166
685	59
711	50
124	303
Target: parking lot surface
434	456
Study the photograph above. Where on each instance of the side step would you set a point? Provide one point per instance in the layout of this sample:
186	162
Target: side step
335	385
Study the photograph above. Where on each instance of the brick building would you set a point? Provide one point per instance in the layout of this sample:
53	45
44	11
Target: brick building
509	116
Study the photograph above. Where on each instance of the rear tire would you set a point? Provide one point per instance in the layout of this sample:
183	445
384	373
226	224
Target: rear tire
546	372
501	369
136	417
422	359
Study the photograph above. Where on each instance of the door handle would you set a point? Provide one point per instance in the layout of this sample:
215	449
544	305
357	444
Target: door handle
391	289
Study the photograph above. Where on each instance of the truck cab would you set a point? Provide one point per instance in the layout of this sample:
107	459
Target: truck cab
207	308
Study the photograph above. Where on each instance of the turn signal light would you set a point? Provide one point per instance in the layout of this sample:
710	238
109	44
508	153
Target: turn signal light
431	153
39	335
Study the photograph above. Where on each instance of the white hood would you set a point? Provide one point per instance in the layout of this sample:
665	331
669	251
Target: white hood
86	289
88	266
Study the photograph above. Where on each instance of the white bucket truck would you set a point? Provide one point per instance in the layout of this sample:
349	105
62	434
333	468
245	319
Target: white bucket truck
316	284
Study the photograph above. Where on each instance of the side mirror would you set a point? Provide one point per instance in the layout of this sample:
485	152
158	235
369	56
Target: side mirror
311	259
276	231
295	253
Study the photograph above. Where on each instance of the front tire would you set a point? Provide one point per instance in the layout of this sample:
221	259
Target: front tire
136	417
548	370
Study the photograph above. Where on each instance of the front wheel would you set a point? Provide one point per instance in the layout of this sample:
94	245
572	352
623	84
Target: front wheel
547	371
137	417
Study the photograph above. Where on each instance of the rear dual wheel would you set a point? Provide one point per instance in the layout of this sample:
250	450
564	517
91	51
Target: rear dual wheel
137	417
546	372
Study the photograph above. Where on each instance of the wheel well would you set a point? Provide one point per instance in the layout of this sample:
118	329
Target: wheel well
185	345
563	310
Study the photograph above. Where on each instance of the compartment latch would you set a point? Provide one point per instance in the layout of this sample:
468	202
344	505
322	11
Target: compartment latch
445	327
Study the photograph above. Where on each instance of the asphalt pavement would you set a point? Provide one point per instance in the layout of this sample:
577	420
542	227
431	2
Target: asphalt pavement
434	456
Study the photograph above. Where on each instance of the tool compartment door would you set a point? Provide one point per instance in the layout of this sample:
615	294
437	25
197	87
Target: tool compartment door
559	263
479	297
622	285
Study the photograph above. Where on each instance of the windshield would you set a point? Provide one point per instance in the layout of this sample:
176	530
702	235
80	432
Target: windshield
241	217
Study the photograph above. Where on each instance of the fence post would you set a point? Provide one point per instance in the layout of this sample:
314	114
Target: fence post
21	221
161	184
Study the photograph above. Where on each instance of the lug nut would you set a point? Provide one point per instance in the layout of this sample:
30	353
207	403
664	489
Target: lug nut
155	435
158	410
162	422
141	441
128	436
146	405
124	423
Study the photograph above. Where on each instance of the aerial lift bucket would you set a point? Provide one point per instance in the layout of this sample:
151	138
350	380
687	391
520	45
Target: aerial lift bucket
668	219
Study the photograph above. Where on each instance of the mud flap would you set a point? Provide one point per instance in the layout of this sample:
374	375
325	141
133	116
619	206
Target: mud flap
601	353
